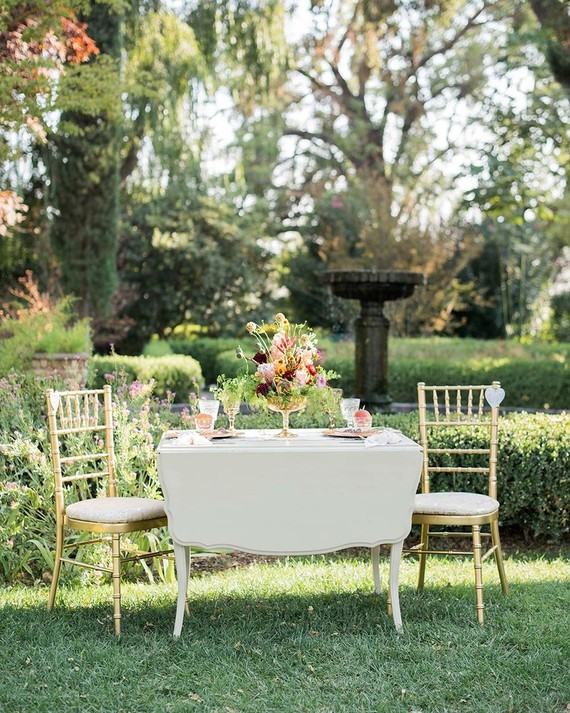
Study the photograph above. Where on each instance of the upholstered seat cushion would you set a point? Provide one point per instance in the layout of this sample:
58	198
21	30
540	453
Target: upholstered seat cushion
454	504
116	510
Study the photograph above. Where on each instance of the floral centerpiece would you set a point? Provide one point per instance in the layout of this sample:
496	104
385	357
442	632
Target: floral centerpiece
287	367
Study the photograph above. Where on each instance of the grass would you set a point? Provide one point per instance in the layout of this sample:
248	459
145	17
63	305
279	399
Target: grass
291	635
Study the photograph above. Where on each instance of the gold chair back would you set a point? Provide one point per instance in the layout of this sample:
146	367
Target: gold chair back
81	420
464	407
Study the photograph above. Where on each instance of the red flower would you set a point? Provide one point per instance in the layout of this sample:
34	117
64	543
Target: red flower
311	369
260	358
262	389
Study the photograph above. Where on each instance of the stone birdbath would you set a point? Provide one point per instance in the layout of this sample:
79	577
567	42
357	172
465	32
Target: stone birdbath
372	288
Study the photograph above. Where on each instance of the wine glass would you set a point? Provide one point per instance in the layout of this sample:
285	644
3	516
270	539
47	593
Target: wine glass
331	404
231	402
348	408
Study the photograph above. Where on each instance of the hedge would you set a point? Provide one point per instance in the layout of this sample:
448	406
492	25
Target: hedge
535	384
176	374
206	350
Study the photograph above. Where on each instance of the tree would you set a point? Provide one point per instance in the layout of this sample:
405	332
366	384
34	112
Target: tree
519	198
371	111
84	170
42	50
554	17
183	259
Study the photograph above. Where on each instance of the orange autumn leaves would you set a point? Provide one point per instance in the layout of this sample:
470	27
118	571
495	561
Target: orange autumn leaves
37	40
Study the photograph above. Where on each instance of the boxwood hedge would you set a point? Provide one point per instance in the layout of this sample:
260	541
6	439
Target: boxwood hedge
206	350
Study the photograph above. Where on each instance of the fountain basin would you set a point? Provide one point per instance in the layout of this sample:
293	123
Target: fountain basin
373	285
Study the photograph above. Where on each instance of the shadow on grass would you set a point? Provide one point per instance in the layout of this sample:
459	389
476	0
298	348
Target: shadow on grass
285	615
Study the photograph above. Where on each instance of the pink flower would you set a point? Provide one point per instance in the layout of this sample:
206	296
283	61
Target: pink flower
301	377
266	371
136	388
320	381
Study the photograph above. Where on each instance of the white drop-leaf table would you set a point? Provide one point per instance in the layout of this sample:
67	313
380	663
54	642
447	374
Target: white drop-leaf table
298	496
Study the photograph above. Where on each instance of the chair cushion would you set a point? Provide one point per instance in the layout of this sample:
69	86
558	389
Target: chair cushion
454	504
116	510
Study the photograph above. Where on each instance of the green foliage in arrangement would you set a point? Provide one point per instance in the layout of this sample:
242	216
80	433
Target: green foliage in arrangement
174	376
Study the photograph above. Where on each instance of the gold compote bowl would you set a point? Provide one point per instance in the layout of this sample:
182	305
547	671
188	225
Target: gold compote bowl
278	405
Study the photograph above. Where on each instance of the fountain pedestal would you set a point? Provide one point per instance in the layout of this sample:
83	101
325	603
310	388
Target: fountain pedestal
372	288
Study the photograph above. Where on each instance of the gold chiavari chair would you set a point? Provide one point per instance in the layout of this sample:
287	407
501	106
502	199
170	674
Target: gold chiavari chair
86	499
474	409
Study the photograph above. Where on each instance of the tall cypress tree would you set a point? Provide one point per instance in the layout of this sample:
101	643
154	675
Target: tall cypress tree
84	172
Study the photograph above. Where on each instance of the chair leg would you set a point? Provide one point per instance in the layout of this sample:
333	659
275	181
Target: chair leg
56	565
476	529
424	540
375	552
499	556
116	555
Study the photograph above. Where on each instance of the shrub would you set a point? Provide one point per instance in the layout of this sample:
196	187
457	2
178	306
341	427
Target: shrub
175	375
43	325
536	384
206	350
532	384
157	348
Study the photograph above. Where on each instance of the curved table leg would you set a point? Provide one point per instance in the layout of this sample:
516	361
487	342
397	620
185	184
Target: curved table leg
375	552
395	557
182	557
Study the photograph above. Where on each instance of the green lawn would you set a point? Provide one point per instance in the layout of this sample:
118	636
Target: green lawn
297	635
455	349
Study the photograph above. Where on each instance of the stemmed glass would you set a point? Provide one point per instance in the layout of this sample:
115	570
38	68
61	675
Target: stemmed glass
348	408
331	403
230	393
231	403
